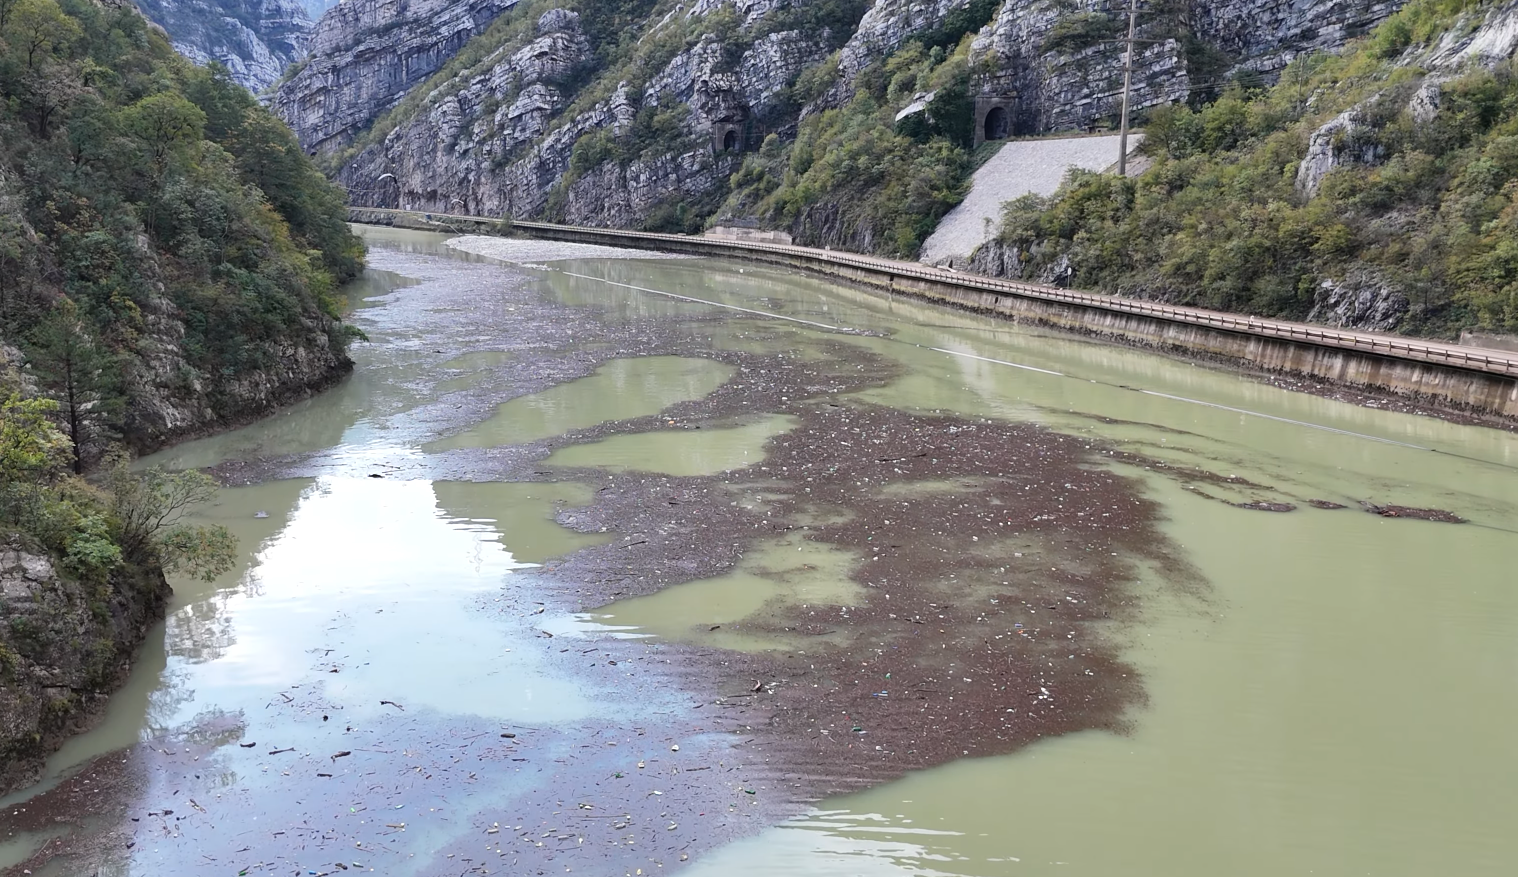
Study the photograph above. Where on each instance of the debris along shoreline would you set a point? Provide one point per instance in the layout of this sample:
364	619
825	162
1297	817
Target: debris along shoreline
989	580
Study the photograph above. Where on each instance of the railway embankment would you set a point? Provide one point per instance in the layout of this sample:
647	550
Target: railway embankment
1438	374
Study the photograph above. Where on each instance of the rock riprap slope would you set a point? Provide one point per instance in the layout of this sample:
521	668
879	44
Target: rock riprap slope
1022	167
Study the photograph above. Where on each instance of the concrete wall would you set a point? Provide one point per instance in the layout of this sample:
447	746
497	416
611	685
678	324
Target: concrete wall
1489	340
1445	375
758	235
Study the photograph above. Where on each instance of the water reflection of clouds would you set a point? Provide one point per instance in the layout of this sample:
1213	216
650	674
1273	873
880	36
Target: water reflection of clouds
364	594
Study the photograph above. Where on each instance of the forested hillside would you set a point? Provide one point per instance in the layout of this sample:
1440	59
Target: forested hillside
160	226
1377	188
169	263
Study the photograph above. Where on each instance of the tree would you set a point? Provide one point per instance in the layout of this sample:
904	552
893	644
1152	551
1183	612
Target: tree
148	511
38	27
33	455
165	121
49	89
32	450
80	376
16	260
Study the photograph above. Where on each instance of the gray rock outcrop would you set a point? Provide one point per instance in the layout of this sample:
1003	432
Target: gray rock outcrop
1071	78
171	400
499	138
1362	299
255	39
64	647
367	54
1331	146
494	140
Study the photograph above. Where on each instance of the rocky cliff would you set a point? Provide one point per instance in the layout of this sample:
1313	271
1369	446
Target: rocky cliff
169	399
255	39
1375	189
529	108
367	54
1066	67
64	647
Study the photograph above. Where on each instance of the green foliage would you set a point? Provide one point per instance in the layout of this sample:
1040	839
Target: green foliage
1179	131
958	23
1430	208
148	511
91	553
1417	22
838	19
1081	30
852	178
32	450
950	115
83	379
140	184
167	123
40	499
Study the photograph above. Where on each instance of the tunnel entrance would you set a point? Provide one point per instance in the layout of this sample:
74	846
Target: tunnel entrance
730	141
996	124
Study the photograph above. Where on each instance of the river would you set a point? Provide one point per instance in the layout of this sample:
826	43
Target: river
503	592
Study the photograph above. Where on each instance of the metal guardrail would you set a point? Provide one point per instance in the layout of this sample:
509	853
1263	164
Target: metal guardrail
1391	346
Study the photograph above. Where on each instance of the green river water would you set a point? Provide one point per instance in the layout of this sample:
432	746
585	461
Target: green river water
1339	698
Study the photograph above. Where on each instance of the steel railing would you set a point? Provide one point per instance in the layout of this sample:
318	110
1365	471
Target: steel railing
1392	346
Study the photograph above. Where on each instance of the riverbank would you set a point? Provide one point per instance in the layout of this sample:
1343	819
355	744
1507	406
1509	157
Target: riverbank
1434	376
606	565
65	648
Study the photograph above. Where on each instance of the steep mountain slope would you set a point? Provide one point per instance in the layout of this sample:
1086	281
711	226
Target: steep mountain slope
659	114
1376	189
254	39
159	224
168	264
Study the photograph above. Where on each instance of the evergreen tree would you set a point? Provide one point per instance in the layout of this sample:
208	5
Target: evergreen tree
81	376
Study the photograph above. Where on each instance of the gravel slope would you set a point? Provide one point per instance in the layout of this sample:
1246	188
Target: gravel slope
1019	168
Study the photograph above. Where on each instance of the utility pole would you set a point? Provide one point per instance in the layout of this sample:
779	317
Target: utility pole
1122	157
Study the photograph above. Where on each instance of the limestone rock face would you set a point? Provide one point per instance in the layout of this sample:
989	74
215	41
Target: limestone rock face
887	26
618	196
768	67
495	141
1069	77
1360	300
172	400
500	137
366	54
255	39
64	647
1331	146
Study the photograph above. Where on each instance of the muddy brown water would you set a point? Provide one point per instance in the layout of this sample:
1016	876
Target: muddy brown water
572	576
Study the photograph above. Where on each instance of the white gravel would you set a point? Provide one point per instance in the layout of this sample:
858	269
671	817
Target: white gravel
524	252
1019	168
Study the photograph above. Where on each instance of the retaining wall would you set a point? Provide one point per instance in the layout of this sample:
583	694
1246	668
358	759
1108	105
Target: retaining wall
1446	375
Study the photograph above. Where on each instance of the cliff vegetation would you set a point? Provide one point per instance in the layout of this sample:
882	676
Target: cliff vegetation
849	123
169	258
169	263
1376	187
82	569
